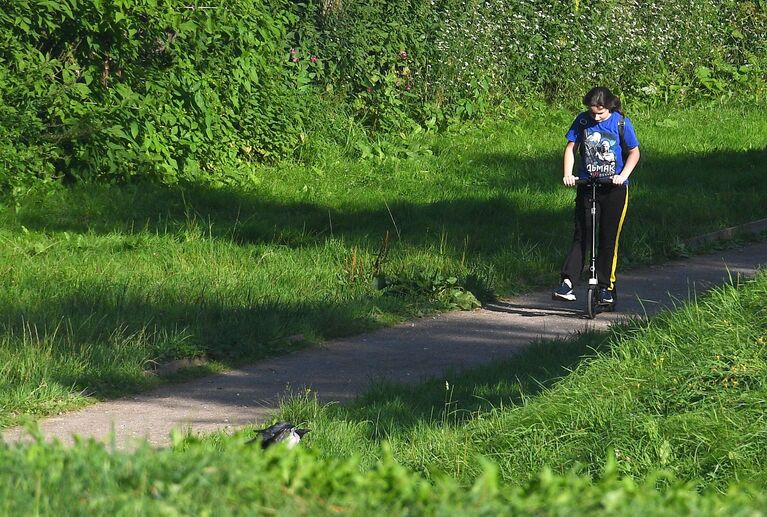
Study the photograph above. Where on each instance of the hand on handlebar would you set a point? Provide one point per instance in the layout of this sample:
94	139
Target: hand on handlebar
618	179
569	180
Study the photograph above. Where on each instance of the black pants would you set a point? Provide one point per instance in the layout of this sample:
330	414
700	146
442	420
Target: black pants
612	204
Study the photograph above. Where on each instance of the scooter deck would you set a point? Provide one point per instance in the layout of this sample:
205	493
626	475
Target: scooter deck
606	307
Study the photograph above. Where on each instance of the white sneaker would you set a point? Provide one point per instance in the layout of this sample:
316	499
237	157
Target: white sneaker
564	292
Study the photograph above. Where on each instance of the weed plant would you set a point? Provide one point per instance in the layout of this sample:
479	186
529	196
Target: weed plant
101	283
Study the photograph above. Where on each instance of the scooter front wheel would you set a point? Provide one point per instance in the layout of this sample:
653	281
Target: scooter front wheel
591	302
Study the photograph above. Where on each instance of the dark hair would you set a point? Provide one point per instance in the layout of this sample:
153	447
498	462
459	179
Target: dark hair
602	96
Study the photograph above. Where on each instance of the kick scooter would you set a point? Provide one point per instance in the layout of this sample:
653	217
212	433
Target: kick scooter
593	307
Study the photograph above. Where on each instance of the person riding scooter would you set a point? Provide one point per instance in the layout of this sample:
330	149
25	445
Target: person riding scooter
609	148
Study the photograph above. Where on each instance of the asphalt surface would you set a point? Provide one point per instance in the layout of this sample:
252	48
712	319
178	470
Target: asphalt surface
338	370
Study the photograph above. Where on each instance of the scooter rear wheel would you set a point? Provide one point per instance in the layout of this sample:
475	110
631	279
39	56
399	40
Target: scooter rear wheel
591	302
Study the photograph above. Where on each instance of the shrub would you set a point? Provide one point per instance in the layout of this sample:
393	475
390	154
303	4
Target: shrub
400	60
131	88
174	92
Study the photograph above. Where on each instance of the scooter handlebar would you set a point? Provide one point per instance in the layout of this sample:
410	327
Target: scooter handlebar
605	180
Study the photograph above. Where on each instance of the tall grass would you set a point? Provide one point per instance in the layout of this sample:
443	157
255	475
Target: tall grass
100	283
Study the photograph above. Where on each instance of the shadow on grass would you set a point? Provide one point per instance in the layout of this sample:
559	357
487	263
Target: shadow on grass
672	196
671	200
713	172
457	396
253	218
102	341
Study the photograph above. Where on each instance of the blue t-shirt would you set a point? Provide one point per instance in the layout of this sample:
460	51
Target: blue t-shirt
601	156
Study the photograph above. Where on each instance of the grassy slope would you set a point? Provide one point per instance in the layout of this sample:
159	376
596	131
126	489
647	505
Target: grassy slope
100	282
685	392
679	400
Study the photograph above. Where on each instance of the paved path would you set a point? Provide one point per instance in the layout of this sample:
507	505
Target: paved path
340	369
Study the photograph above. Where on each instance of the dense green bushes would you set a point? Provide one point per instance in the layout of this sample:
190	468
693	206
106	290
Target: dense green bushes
114	90
461	56
119	89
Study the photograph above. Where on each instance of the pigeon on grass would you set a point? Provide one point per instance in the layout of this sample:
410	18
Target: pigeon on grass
280	432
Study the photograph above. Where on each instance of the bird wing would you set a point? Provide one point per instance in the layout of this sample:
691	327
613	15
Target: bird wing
273	431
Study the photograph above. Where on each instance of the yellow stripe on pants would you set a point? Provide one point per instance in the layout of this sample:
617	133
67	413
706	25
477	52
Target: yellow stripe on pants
617	240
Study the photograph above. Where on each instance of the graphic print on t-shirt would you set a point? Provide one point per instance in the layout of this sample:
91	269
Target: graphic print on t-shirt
599	153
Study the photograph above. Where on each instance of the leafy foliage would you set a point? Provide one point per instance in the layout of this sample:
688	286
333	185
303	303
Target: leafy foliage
447	290
400	63
176	92
116	90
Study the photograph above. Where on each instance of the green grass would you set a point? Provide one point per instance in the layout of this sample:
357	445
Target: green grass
45	479
101	282
684	393
664	417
